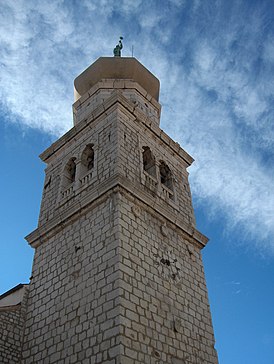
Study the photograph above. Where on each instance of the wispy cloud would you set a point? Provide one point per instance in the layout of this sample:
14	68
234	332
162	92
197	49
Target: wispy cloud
215	63
223	104
235	286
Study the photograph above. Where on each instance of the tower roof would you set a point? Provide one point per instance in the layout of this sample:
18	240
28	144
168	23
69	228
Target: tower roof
116	68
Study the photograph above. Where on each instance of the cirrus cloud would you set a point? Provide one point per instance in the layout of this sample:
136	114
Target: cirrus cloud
215	66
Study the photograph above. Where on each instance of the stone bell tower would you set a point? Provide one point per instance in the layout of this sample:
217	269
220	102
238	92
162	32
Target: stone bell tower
117	274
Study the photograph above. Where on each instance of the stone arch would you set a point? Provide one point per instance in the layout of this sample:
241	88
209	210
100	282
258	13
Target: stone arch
87	159
149	165
69	172
165	175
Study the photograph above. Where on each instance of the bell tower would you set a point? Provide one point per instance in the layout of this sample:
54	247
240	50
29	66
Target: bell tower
117	273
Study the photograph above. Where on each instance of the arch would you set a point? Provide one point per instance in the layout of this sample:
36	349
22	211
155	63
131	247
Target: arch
69	172
165	175
149	165
87	159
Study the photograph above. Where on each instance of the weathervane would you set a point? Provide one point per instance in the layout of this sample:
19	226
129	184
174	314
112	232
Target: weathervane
117	49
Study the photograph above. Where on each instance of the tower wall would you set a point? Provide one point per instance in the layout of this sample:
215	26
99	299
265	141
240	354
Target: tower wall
99	131
135	133
73	314
165	311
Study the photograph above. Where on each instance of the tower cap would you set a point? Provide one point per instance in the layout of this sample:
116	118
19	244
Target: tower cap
116	68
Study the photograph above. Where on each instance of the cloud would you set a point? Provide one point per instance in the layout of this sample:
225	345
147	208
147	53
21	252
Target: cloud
216	87
222	112
31	89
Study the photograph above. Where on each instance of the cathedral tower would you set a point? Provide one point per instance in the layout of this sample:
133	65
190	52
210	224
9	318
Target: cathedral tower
117	273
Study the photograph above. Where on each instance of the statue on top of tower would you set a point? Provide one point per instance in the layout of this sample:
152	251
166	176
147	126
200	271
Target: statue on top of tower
117	49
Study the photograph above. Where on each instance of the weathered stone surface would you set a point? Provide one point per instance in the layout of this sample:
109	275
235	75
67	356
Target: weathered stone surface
12	320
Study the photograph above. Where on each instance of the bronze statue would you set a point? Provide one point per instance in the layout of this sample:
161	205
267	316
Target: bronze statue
117	49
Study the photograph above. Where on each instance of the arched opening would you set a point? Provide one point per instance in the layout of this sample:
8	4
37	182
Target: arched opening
165	175
149	162
69	173
87	159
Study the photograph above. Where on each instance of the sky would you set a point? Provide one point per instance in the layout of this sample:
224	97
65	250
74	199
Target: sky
215	63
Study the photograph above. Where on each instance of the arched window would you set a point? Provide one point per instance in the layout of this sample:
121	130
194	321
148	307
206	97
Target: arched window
87	159
165	175
69	172
149	162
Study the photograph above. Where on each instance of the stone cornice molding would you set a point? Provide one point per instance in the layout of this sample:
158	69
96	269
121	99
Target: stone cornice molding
96	196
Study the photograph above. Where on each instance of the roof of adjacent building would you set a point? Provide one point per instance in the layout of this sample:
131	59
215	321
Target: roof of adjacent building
13	296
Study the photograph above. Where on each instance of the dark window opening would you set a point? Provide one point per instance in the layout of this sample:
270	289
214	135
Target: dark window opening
165	175
149	162
69	172
87	159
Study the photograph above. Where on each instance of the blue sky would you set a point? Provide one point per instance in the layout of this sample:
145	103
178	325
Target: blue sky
215	62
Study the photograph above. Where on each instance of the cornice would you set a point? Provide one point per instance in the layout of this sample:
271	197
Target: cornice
81	205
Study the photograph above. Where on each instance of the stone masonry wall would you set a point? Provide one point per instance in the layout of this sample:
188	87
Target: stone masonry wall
120	285
165	311
105	88
101	134
12	322
72	313
133	136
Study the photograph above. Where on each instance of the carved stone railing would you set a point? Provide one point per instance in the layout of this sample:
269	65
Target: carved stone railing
167	193
68	191
150	181
86	178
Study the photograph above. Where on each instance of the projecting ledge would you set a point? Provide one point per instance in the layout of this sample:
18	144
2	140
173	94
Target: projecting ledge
116	68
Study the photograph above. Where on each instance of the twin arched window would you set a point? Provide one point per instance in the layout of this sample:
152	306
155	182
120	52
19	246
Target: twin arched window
86	166
149	166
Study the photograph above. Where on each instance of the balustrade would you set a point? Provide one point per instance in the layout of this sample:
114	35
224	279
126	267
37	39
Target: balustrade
167	193
151	182
86	178
67	192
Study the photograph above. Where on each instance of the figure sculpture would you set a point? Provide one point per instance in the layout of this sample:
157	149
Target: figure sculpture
117	49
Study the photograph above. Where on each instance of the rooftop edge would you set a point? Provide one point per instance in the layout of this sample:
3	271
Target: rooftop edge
116	68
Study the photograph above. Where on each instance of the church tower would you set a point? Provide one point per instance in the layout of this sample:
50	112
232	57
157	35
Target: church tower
117	274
